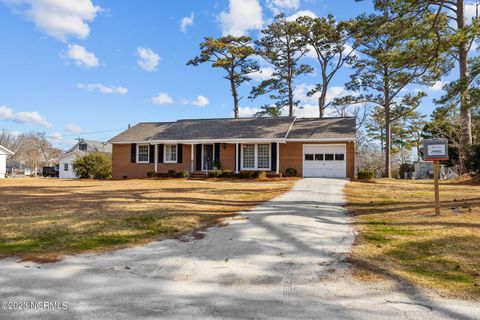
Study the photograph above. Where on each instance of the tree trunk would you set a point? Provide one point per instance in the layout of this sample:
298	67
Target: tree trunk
235	98
465	113
388	128
322	100
388	124
290	77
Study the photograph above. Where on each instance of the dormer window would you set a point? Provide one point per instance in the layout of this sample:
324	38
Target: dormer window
82	147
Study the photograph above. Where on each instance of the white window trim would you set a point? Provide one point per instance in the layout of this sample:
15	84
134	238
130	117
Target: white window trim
165	153
138	147
255	157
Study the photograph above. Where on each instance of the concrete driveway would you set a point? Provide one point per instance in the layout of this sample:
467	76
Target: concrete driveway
282	260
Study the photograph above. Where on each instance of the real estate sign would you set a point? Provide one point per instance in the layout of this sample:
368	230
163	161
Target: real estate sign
435	149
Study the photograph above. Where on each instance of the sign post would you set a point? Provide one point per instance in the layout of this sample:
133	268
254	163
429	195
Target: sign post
435	150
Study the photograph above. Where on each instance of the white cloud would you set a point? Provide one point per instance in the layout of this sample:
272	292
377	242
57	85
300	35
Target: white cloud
81	57
247	111
186	22
60	19
285	4
470	11
102	88
201	101
162	98
57	136
437	86
73	128
244	15
5	113
263	74
302	89
301	13
147	59
23	117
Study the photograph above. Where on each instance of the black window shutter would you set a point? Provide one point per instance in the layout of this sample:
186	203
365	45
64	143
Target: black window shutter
273	157
180	153
217	153
152	153
133	152
198	159
160	153
239	157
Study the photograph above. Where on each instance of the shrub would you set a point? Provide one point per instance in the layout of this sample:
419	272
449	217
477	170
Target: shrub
396	174
246	174
365	174
183	174
94	165
217	165
472	159
291	172
215	173
172	173
262	175
151	174
405	168
228	174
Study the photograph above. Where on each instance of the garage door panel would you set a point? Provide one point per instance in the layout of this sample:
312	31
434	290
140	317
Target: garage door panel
324	161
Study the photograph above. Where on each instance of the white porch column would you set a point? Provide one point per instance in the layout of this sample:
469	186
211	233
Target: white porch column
237	152
192	153
278	157
156	158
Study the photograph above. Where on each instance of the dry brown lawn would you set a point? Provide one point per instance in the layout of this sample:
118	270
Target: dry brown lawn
402	239
42	218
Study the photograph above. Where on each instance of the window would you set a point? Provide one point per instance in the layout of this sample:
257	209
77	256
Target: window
248	156
143	153
65	167
256	156
263	156
170	153
319	157
308	156
328	156
339	157
82	147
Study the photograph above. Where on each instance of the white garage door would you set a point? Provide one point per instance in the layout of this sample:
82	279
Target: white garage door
324	161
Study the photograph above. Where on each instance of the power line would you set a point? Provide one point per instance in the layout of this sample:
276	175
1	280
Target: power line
85	133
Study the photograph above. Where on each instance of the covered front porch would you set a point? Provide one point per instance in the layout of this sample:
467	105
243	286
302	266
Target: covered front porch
200	158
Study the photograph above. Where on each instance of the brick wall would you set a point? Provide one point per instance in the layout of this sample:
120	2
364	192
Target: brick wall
122	166
227	156
291	156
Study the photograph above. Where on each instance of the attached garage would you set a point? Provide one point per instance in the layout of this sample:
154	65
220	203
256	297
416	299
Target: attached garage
328	161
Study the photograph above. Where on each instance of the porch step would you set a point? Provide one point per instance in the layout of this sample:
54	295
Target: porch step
197	176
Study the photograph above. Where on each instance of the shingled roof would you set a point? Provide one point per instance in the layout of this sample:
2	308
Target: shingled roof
281	128
326	128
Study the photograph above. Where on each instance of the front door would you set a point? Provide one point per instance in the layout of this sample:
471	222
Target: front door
207	156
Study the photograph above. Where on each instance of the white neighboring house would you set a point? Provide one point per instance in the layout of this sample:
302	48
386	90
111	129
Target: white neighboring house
4	153
83	147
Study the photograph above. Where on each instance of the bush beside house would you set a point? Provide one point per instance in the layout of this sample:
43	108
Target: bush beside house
94	165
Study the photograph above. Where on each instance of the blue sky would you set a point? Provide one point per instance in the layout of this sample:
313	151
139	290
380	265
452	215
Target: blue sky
74	67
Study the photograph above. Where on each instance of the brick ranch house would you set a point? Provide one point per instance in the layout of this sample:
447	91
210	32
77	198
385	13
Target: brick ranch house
315	147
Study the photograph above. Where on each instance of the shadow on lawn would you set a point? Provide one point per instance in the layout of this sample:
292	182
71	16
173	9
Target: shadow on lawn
145	288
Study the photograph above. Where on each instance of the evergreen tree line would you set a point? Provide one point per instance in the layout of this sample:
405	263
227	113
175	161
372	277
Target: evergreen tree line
404	45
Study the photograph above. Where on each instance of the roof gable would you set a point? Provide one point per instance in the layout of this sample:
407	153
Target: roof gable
4	150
